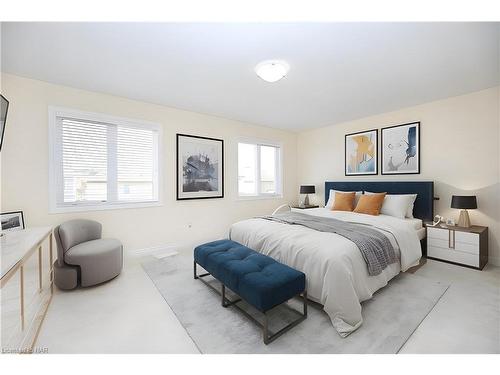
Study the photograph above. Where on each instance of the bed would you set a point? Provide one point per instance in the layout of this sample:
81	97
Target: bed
337	275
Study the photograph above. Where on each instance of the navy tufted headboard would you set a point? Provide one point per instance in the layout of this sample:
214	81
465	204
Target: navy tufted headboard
424	204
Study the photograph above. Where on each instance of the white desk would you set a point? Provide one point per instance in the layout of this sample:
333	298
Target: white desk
25	297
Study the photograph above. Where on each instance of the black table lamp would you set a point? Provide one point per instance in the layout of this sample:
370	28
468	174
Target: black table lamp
307	189
464	203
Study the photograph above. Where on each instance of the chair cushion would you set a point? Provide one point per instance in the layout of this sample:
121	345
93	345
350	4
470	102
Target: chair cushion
99	260
257	278
92	249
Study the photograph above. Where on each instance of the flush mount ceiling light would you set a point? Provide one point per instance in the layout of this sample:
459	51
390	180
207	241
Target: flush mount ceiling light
272	70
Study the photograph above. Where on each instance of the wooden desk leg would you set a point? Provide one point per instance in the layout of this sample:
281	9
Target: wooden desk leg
21	273
40	281
51	265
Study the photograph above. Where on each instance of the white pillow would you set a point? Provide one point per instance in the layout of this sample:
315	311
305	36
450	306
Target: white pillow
331	197
397	205
409	213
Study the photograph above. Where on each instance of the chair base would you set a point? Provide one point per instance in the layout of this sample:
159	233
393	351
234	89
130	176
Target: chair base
65	277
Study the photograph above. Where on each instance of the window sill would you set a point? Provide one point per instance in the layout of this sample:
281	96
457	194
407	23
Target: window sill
104	207
259	197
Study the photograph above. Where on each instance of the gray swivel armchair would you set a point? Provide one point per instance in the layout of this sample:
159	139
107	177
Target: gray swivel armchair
83	257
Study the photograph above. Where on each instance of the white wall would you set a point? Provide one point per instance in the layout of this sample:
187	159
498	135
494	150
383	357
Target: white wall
459	152
25	166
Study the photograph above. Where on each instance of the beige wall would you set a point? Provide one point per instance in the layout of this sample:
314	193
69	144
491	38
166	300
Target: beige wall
459	152
25	166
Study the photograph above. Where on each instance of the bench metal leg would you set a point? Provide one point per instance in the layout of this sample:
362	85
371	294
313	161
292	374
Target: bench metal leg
270	337
225	301
196	276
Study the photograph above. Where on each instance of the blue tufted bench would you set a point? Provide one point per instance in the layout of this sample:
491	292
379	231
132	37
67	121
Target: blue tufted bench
258	279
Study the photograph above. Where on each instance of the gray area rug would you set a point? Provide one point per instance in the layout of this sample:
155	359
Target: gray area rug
390	317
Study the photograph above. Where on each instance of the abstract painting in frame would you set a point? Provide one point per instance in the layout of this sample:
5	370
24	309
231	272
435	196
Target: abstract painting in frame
401	149
200	167
361	153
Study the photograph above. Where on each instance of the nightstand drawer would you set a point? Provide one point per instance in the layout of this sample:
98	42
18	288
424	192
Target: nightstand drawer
448	244
437	233
452	255
467	238
467	248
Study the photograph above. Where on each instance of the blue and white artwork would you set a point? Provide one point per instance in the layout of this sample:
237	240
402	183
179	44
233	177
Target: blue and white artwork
401	149
199	167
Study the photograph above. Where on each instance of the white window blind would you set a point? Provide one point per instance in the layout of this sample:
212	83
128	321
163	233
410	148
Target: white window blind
135	158
259	170
102	163
84	161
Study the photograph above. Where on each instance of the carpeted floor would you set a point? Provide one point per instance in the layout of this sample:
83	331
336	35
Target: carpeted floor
390	317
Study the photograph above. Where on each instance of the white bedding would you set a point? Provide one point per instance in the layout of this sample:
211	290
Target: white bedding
337	275
419	227
416	223
421	233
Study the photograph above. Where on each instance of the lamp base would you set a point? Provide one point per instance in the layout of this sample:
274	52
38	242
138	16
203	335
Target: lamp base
306	200
463	219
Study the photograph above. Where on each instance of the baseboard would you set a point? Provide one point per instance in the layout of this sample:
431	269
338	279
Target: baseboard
166	250
159	251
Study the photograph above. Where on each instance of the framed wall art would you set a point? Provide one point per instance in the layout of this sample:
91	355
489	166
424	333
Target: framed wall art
200	167
401	149
361	153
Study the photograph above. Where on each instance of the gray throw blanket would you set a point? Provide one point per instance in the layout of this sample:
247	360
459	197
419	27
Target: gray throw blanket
376	248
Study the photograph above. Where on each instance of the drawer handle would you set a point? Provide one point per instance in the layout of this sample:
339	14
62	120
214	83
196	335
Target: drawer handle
451	244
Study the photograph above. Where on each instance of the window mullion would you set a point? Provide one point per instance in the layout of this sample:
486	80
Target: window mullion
112	159
59	176
258	171
278	169
156	179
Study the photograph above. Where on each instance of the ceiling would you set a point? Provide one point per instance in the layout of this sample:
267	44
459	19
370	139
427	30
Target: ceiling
338	71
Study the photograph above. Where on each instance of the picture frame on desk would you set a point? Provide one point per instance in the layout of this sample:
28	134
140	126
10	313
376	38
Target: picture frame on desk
12	221
450	222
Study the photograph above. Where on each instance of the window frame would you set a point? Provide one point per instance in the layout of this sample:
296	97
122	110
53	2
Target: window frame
278	169
55	155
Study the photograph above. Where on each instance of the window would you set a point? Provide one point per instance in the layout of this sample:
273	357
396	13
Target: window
259	170
100	162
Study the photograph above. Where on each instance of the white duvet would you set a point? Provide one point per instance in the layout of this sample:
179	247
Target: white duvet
337	275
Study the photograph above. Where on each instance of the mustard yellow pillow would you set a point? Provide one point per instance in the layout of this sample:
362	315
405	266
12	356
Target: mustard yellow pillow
370	204
344	201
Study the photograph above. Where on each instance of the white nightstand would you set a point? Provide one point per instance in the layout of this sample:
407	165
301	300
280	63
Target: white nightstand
463	246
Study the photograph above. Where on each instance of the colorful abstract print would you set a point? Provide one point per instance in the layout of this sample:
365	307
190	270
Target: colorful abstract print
361	153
